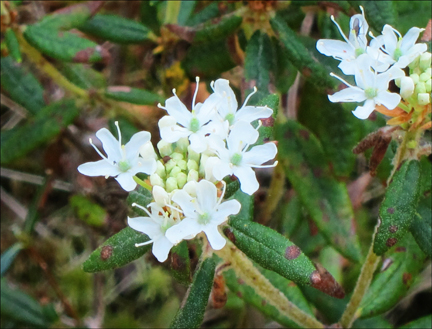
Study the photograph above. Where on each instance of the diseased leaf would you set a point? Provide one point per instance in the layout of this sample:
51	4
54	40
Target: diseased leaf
191	312
180	263
325	198
398	207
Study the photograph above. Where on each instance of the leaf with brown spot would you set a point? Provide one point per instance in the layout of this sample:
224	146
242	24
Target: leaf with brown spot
328	284
180	263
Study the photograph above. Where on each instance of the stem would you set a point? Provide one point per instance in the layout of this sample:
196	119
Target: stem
361	287
46	67
245	270
142	183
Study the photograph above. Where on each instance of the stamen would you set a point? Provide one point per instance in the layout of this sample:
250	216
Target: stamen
339	78
212	85
222	195
259	125
195	93
119	133
160	106
340	30
265	166
97	150
142	208
249	96
174	208
143	244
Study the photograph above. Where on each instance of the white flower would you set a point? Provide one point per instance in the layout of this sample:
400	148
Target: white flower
155	227
238	160
202	214
354	46
183	123
122	161
226	104
371	88
402	51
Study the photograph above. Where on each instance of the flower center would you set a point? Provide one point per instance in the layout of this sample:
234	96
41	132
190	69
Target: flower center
230	118
371	92
204	218
194	125
236	159
397	54
359	51
124	165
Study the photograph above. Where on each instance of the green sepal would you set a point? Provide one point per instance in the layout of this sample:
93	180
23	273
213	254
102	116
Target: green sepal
325	198
13	45
21	85
64	46
271	250
38	130
180	263
400	266
399	206
71	16
191	312
133	95
300	57
116	29
117	251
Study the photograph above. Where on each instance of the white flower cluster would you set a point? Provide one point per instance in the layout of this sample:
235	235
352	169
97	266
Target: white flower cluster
374	65
197	150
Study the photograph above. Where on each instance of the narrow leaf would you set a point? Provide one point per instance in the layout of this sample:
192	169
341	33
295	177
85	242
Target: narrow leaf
191	312
133	95
83	76
8	256
325	198
399	206
13	45
424	322
180	263
266	133
86	210
421	225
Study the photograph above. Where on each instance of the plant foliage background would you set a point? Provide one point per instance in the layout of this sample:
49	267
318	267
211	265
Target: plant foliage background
69	68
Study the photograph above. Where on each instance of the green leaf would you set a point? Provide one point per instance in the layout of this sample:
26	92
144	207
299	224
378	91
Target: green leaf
13	45
71	16
8	256
207	13
232	186
421	225
375	322
186	10
83	76
133	95
247	206
259	62
378	13
116	29
325	198
300	57
149	17
336	128
426	173
142	197
65	46
202	60
21	85
17	305
89	212
191	312
271	251
39	130
399	206
412	11
180	263
117	251
283	70
400	266
266	130
424	322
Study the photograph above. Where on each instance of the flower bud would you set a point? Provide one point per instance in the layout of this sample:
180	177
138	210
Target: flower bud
181	179
177	156
420	88
423	98
182	145
424	77
191	164
164	148
192	175
160	169
147	151
398	82
171	184
415	77
425	61
203	159
174	172
406	87
415	63
192	155
428	86
156	180
169	166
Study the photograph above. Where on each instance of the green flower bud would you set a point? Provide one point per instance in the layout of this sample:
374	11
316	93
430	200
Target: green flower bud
425	61
182	145
428	86
406	87
174	172
201	170
181	179
160	169
424	77
171	184
412	144
423	98
156	180
420	88
428	71
191	164
177	156
164	148
192	175
169	166
414	64
182	164
398	82
192	155
415	77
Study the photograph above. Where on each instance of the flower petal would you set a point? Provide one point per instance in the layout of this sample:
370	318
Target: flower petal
337	49
225	209
206	195
260	154
216	240
390	39
136	141
161	248
187	227
126	181
183	199
98	168
178	110
350	94
247	178
363	112
409	39
172	134
388	99
242	133
145	225
198	142
147	166
252	113
110	145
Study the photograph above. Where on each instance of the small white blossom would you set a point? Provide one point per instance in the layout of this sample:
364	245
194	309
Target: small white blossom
235	158
204	213
122	161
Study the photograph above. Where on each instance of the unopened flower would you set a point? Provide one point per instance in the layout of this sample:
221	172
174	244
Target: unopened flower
204	213
235	158
122	161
